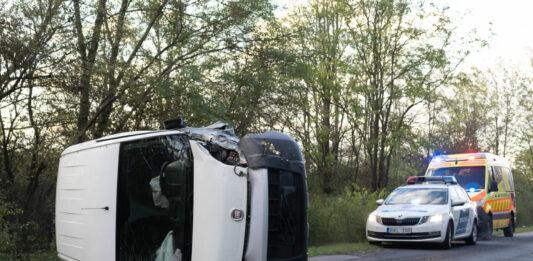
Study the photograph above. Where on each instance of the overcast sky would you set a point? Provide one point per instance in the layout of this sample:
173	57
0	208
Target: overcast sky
511	29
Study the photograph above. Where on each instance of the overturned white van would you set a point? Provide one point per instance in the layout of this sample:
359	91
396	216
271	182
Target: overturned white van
197	194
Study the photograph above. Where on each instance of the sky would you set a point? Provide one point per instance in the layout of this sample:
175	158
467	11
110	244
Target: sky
512	22
507	24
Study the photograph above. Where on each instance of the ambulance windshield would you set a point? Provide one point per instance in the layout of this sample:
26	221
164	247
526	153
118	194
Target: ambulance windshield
467	177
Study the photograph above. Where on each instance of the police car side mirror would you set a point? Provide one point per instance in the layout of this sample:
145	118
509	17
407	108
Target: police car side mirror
458	203
493	186
380	202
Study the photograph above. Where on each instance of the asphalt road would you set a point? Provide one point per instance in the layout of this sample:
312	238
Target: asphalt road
519	247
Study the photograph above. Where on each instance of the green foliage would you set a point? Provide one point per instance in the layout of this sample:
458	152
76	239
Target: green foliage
341	218
523	180
8	212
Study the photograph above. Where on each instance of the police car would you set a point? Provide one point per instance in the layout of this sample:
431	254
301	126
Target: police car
425	209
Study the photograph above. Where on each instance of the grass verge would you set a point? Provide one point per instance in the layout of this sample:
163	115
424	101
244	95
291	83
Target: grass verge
340	248
517	230
348	248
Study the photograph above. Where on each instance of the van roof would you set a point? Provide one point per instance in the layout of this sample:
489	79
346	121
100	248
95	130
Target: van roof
489	157
117	138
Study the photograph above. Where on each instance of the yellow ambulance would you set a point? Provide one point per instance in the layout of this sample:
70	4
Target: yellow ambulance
489	182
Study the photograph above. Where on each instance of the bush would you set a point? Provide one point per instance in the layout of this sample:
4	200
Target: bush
341	218
524	205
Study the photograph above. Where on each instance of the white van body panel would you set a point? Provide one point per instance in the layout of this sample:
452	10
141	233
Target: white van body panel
258	229
217	191
86	185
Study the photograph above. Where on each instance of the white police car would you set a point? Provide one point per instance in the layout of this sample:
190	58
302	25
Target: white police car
425	209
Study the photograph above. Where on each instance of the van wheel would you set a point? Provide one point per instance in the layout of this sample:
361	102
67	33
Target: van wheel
488	234
509	231
447	244
472	239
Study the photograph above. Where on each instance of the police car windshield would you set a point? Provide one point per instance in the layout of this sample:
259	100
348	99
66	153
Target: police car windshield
467	177
418	196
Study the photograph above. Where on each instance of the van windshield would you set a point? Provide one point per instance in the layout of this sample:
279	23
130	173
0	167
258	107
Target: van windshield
467	177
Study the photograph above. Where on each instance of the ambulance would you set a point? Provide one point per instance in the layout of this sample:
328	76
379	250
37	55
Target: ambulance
182	194
488	180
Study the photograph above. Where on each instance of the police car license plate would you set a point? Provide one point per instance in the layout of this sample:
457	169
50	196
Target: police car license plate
399	230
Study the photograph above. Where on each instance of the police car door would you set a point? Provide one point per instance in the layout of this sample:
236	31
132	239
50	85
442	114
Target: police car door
461	212
469	207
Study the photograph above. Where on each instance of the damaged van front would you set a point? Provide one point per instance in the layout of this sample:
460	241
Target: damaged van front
182	194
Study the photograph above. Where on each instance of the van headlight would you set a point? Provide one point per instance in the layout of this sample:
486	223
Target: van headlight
374	218
435	219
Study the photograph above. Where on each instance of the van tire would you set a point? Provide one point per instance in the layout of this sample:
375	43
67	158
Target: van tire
509	231
472	239
447	243
488	233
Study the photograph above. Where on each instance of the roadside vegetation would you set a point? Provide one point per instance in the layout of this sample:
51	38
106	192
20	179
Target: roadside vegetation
370	89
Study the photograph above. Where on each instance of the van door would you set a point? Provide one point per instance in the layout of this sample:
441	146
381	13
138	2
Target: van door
500	201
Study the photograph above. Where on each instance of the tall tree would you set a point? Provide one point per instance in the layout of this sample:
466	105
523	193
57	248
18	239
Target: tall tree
319	123
398	61
131	47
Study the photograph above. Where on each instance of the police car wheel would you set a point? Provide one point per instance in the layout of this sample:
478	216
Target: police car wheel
508	231
447	244
472	239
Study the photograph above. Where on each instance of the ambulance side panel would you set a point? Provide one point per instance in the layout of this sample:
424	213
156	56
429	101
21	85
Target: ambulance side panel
217	191
86	204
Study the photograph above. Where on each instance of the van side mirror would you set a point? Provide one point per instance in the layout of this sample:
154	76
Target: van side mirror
380	202
493	186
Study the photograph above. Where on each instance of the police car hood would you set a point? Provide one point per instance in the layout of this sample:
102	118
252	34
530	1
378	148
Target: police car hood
409	210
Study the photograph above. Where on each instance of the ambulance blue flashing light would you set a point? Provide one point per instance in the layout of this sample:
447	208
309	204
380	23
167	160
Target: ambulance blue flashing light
462	157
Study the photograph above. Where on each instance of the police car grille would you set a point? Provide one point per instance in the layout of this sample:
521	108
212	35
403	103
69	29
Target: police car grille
400	222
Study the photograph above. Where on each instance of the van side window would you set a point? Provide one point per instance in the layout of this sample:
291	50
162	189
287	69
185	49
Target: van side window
154	197
497	174
509	186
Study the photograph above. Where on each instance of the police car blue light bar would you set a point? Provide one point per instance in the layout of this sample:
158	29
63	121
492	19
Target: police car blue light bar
422	179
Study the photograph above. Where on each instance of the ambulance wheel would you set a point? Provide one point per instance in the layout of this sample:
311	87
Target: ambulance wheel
488	233
472	239
509	231
447	244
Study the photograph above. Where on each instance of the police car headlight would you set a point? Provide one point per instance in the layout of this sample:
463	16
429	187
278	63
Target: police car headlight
374	218
435	219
